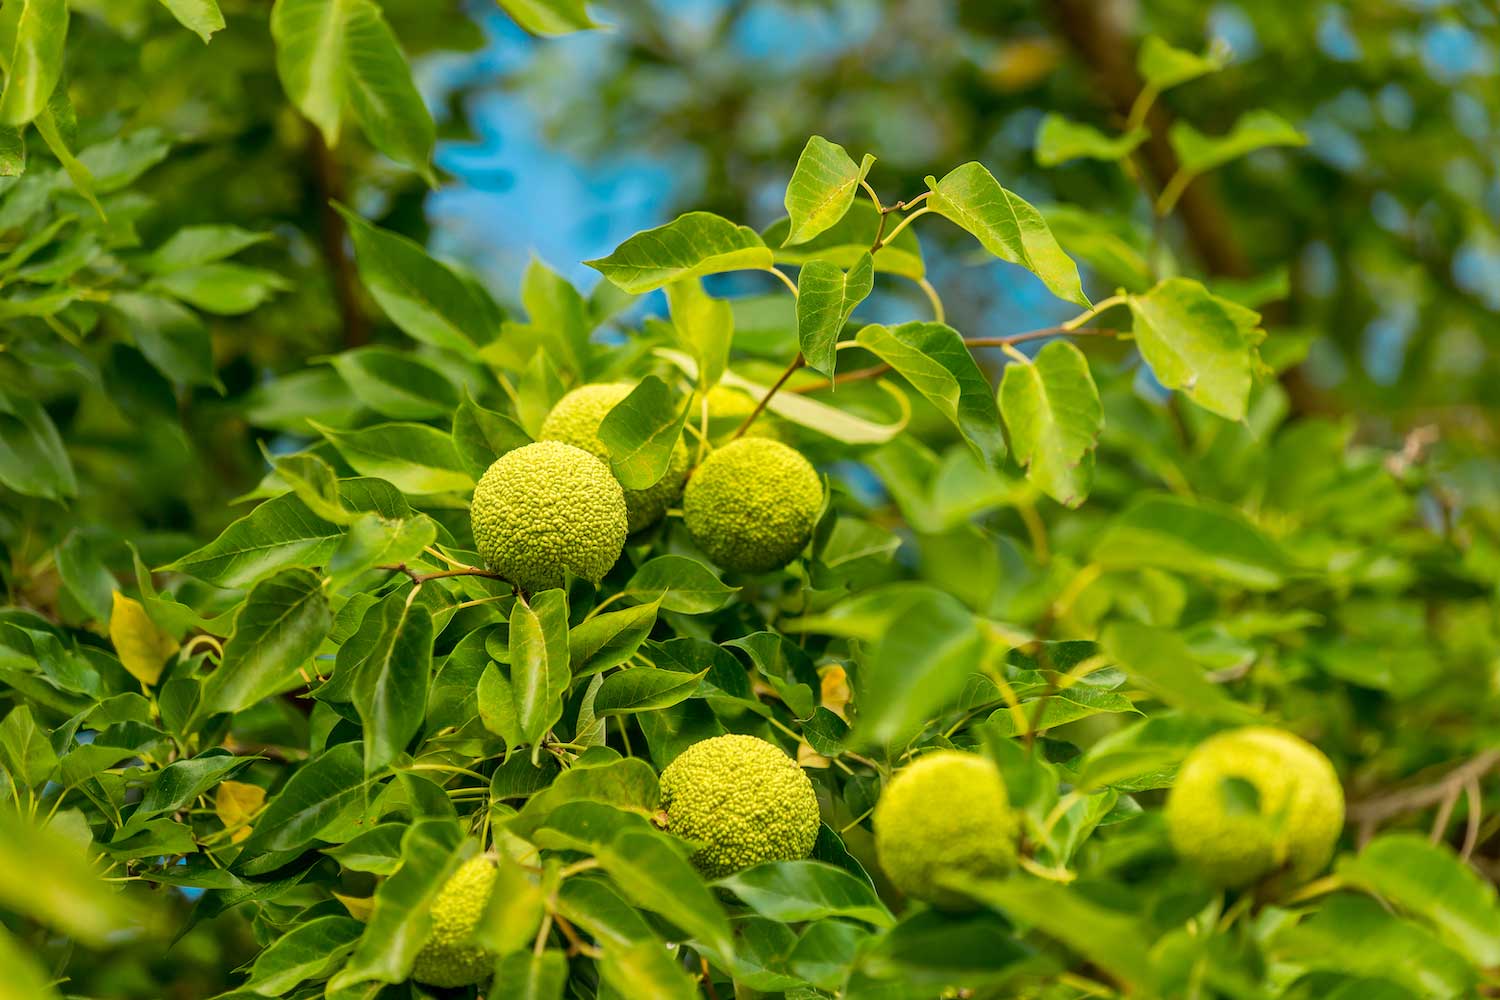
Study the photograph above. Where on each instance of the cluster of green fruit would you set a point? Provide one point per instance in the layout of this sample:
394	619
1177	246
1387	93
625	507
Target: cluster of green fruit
1254	805
554	507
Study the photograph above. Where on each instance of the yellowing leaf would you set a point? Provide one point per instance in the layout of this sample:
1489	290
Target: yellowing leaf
235	803
143	648
359	909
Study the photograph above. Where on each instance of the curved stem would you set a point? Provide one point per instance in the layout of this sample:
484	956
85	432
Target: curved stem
891	236
938	315
875	371
788	282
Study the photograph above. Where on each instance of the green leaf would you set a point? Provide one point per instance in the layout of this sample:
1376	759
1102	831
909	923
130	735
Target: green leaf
1429	881
25	977
609	639
1198	153
826	298
654	876
414	458
641	432
704	325
1164	67
1196	537
525	975
539	670
1060	139
935	360
679	584
1007	227
33	459
310	950
284	532
401	920
482	435
1199	343
25	754
646	969
222	289
1350	934
396	384
822	188
917	669
1052	409
178	784
310	801
1114	941
12	151
332	53
1160	662
202	17
515	909
643	689
373	540
314	482
549	17
557	312
627	783
390	683
192	246
795	891
33	34
690	245
276	632
172	338
48	878
424	297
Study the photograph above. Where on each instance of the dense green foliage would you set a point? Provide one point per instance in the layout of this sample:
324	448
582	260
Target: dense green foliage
723	642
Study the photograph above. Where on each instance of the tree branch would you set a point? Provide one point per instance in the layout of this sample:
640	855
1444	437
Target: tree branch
875	371
328	175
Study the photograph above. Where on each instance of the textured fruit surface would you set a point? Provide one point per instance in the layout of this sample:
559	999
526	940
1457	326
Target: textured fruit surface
946	815
575	420
1253	802
752	504
546	508
744	799
448	959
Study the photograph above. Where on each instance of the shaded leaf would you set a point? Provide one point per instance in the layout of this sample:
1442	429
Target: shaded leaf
1052	410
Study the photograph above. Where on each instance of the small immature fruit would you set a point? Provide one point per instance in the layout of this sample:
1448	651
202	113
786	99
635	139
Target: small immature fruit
752	504
449	958
946	816
575	420
1254	802
744	799
545	508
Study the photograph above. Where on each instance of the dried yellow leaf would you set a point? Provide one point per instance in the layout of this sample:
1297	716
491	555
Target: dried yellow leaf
143	648
234	804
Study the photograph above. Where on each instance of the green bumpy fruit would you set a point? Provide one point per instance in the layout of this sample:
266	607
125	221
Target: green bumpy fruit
744	800
1255	802
575	420
545	508
945	816
448	958
752	505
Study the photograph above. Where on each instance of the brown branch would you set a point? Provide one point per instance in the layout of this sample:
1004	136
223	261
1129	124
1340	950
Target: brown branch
420	578
875	371
1376	810
1100	42
760	407
328	175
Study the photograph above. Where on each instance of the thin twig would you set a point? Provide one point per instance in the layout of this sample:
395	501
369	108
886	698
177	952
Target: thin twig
1475	806
421	578
760	407
1383	807
875	371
